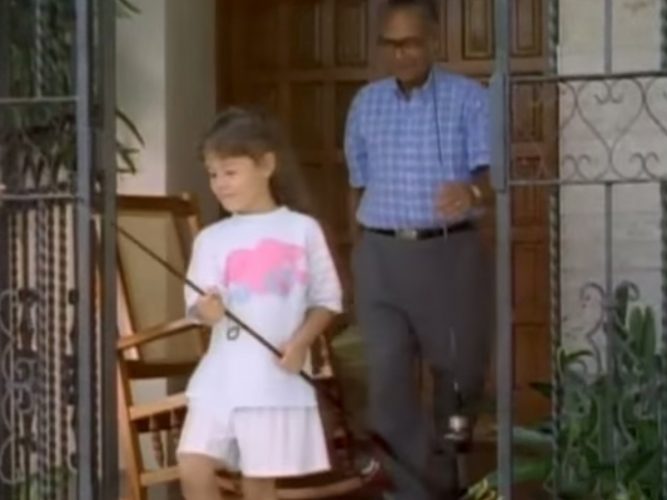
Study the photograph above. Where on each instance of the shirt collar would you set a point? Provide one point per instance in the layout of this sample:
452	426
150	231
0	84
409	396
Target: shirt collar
420	92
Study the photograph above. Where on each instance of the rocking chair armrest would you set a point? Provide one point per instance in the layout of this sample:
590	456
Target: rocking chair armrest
157	333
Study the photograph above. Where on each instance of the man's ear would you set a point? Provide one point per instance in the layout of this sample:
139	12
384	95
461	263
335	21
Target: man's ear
433	37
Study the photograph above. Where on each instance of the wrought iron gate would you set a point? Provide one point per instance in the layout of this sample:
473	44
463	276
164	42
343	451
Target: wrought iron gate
57	379
608	427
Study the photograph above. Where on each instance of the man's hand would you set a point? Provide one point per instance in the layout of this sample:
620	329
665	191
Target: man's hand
294	356
210	308
455	200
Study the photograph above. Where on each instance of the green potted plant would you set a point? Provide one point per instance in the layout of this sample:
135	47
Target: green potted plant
606	441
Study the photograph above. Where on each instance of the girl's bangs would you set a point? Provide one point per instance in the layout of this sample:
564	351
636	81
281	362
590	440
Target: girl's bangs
230	147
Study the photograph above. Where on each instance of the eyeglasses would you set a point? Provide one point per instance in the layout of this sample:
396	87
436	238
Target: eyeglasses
409	44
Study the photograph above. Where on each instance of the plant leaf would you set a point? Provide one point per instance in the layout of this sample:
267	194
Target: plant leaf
131	126
129	6
543	388
648	346
622	297
523	471
636	330
525	436
129	165
645	464
566	360
636	492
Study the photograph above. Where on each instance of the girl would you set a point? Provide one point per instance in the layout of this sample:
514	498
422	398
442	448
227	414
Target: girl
270	264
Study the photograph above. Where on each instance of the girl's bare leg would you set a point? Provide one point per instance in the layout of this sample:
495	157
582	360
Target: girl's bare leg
259	489
198	477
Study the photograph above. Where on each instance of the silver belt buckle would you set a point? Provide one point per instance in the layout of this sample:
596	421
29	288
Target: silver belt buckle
407	234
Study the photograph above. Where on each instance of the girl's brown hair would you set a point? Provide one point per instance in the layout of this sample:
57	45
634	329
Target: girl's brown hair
253	133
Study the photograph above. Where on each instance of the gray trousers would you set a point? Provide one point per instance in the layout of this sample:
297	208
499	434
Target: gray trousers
431	298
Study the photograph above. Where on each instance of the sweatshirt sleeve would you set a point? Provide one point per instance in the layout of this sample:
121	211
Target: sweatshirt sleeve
324	288
201	271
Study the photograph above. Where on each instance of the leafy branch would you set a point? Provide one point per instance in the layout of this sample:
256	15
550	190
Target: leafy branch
41	55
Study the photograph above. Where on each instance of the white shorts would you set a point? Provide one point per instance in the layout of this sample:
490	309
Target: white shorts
258	442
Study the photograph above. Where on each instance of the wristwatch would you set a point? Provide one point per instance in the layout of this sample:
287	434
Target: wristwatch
477	194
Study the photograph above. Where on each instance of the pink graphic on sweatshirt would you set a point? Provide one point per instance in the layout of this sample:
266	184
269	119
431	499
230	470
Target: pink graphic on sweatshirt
272	267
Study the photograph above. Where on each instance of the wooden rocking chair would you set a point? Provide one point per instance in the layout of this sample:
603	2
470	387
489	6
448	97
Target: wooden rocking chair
157	342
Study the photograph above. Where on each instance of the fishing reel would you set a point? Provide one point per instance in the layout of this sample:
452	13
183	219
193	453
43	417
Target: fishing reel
454	428
458	433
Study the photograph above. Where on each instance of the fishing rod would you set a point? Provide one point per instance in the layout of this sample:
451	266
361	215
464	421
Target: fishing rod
371	436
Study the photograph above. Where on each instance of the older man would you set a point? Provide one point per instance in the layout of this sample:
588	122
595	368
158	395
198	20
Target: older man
417	150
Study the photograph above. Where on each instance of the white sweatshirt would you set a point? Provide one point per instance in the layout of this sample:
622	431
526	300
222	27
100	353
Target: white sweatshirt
269	268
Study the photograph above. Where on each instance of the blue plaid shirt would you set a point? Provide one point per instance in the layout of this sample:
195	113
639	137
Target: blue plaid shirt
402	150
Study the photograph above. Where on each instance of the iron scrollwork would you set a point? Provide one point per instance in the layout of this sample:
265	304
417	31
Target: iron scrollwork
37	316
613	127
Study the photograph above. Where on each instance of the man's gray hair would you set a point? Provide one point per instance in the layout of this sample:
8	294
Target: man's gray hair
427	7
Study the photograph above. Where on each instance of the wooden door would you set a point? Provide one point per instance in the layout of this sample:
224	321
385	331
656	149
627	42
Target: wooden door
305	59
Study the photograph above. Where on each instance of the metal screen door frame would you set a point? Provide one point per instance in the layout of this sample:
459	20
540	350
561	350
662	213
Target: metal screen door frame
504	178
62	331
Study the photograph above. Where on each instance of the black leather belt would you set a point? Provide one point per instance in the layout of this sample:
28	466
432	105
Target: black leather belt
423	234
